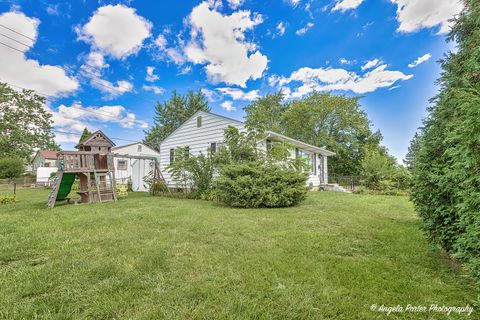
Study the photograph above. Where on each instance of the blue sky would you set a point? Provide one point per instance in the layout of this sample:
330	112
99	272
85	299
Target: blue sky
104	64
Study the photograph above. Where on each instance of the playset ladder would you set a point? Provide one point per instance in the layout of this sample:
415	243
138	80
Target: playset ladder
53	194
110	187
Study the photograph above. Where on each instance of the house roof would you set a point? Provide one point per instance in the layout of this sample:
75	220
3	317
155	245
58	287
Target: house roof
90	139
270	134
298	143
128	145
132	144
48	154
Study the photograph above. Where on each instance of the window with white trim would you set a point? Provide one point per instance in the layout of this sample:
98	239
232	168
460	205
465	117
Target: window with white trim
121	164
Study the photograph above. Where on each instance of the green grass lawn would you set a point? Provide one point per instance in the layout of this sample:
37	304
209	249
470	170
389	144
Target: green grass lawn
152	257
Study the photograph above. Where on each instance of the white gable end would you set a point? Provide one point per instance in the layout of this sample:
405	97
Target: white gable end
197	138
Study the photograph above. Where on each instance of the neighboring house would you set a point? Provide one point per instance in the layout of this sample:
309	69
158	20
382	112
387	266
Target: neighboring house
43	164
204	132
134	170
44	158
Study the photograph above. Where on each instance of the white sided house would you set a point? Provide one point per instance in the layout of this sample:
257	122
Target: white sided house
204	132
134	170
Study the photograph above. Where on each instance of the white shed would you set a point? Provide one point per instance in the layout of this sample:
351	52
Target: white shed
134	170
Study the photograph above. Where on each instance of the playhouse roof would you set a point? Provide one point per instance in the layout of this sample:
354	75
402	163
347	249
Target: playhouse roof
96	139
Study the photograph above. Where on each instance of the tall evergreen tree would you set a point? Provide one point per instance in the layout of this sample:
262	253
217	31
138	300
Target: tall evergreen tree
25	124
446	175
170	114
414	147
85	134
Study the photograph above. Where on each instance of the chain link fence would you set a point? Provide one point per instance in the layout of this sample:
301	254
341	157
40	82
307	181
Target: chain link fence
350	183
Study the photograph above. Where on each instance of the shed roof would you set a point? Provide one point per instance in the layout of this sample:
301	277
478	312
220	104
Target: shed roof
48	154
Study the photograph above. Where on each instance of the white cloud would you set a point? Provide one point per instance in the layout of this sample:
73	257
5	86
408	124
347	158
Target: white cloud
371	63
306	80
154	89
346	61
234	4
420	60
281	27
293	3
345	5
76	117
414	15
161	42
211	95
218	41
175	55
151	76
237	94
116	31
93	70
53	9
302	31
228	105
17	70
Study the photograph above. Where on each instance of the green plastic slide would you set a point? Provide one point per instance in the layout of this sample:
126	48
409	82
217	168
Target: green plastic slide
65	186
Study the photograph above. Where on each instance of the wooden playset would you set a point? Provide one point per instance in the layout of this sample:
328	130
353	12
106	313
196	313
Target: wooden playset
93	165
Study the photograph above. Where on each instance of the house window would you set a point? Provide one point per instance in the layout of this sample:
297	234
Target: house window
121	164
199	121
139	148
305	155
187	151
313	169
47	164
172	155
213	147
269	145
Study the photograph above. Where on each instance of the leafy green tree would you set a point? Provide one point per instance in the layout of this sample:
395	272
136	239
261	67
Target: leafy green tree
321	119
170	114
446	172
85	134
265	113
238	146
11	167
377	166
202	169
25	124
180	168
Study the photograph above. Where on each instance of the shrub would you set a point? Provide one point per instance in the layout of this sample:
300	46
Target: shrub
76	186
254	184
7	199
201	169
11	167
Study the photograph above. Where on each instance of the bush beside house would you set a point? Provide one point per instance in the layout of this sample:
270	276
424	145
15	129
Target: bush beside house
256	184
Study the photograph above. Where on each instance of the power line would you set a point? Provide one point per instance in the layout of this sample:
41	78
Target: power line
13	48
26	45
97	80
78	135
1	25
